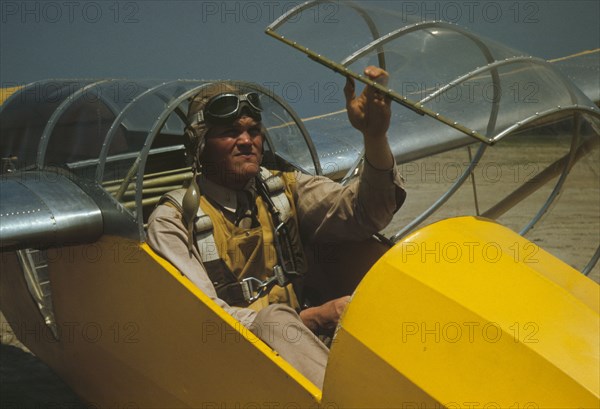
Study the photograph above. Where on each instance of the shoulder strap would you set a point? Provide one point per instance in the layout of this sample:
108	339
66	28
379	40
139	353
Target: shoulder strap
249	289
276	189
203	226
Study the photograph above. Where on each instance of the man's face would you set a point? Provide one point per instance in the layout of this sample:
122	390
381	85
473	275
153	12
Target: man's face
233	152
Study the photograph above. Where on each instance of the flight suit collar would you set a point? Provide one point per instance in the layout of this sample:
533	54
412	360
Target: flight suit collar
228	199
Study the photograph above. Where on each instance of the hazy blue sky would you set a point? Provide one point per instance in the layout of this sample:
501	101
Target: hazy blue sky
217	39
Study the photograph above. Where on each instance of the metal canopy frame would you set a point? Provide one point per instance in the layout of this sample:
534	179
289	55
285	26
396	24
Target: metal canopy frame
69	92
117	122
57	114
137	169
418	107
575	108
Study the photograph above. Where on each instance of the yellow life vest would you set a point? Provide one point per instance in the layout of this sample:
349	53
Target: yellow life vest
237	259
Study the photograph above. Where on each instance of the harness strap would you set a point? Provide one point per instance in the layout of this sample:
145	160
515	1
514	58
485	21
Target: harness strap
203	227
251	288
276	189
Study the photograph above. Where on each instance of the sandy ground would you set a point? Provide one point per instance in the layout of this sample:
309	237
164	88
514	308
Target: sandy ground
571	231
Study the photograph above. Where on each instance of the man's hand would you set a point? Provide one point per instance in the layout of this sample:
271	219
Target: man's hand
326	316
370	113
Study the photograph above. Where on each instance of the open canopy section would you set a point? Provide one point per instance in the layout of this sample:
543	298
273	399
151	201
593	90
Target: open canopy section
460	89
477	87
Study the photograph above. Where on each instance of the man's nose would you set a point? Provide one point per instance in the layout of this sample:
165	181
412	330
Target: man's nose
244	138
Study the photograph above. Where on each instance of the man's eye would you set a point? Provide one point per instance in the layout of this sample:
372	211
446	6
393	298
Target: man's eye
228	133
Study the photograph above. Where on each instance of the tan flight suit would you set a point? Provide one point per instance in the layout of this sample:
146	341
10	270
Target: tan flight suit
326	212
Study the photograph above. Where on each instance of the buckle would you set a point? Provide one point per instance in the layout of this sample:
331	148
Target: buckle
253	288
279	276
248	290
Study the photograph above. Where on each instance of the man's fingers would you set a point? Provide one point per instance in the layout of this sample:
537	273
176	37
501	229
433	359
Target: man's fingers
350	89
377	74
339	305
380	76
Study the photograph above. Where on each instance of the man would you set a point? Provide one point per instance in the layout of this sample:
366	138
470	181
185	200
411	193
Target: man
259	219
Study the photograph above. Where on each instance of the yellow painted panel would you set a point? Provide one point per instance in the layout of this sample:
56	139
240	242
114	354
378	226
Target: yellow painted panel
467	313
7	92
357	377
426	327
135	333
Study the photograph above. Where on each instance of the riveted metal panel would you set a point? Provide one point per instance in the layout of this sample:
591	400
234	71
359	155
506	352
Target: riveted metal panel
44	209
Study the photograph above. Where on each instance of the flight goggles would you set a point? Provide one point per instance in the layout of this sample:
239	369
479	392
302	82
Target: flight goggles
225	107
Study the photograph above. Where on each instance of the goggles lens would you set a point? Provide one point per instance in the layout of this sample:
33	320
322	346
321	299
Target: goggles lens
228	106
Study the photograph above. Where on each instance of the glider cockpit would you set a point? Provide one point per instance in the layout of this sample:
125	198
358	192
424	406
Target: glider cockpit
125	137
85	161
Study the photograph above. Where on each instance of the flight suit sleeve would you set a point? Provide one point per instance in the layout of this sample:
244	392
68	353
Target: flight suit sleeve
328	211
168	237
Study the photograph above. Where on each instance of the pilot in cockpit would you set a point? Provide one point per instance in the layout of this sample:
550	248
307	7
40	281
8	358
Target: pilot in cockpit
237	231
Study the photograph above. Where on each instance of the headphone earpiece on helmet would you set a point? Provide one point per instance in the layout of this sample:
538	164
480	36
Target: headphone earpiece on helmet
194	145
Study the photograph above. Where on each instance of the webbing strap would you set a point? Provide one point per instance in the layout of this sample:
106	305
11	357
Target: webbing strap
276	189
203	227
249	289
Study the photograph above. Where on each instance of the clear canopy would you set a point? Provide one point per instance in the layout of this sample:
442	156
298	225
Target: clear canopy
127	135
476	86
459	88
